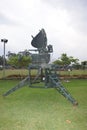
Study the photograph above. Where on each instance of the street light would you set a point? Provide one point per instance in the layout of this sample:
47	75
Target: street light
4	41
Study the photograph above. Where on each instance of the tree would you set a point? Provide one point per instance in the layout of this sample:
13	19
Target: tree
58	62
19	61
23	61
84	64
66	60
1	60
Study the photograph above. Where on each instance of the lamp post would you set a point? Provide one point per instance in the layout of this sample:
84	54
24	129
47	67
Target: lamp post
4	41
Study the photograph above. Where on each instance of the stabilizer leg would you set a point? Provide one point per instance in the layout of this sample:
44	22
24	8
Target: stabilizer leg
18	86
62	90
37	76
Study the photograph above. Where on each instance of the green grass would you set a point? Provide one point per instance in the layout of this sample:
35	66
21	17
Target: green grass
13	72
74	72
43	109
25	72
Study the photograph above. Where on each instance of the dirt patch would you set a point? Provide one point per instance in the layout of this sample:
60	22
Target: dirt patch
15	76
61	76
73	76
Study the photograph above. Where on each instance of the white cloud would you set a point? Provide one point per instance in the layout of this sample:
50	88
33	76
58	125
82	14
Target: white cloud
63	20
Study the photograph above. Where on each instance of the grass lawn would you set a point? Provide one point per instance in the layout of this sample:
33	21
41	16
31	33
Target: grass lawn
13	72
43	109
25	72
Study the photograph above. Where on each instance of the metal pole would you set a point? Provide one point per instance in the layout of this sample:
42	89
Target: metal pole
4	62
4	41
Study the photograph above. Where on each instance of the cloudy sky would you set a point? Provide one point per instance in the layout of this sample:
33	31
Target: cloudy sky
65	23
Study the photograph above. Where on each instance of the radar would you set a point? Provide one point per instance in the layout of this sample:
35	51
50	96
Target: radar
40	40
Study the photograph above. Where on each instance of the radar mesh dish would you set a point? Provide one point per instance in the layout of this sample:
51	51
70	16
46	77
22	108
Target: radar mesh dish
40	40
